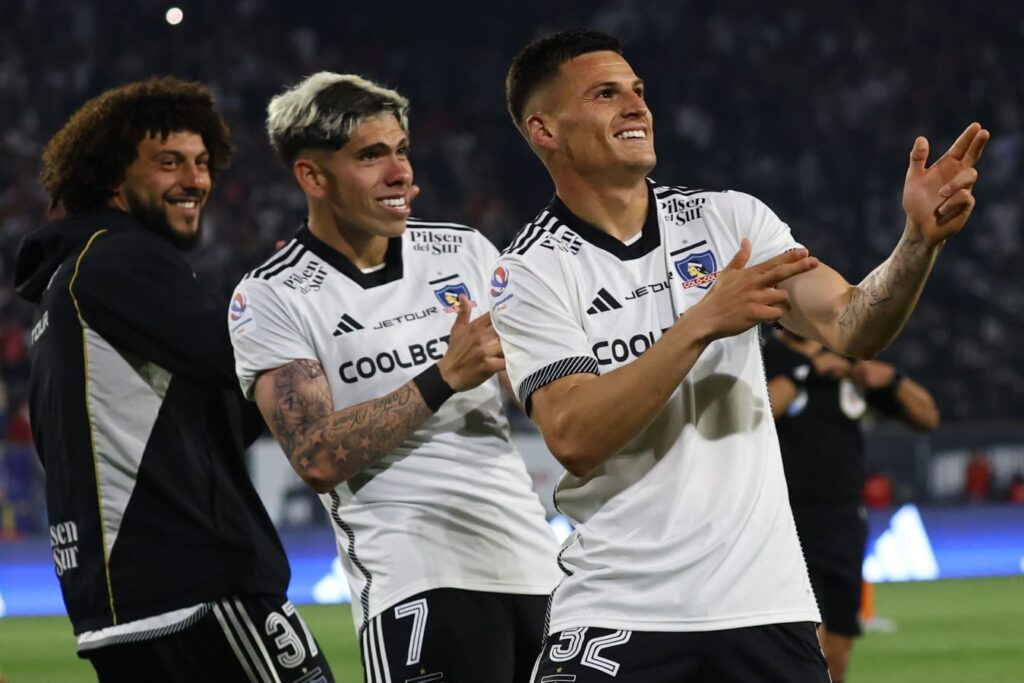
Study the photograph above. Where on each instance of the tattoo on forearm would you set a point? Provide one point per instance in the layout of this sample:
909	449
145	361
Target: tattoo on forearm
889	290
346	441
874	292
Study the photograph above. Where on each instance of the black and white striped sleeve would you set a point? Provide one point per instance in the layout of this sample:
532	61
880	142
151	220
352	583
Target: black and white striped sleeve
537	320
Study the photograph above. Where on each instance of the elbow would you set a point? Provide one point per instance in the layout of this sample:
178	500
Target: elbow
575	453
319	485
575	464
318	479
864	349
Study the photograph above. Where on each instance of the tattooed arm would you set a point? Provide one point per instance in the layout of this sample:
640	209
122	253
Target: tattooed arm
862	320
324	446
327	446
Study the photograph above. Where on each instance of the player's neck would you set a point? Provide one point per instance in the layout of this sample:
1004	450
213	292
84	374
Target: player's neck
619	210
362	249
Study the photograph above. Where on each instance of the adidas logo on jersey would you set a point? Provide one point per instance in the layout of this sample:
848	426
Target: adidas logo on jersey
603	302
346	324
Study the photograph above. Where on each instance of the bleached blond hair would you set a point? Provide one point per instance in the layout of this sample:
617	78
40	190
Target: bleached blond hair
323	110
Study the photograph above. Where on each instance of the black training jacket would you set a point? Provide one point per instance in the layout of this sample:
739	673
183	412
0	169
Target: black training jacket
139	423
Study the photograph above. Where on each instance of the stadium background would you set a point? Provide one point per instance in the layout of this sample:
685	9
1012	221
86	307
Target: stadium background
810	106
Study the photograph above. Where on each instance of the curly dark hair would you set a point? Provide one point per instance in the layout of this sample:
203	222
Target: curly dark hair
88	157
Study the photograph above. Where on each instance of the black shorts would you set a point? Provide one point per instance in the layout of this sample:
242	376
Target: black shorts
251	639
833	540
455	636
777	653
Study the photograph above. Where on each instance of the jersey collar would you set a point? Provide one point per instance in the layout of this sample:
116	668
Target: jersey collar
391	271
650	238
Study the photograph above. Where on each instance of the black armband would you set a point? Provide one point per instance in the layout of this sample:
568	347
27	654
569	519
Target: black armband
433	388
884	398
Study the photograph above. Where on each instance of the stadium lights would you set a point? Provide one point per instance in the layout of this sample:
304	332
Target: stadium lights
174	16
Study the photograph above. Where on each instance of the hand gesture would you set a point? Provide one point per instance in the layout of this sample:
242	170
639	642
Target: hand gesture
474	351
872	374
938	199
828	364
743	297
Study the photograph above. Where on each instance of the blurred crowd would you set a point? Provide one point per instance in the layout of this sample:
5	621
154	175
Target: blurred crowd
810	106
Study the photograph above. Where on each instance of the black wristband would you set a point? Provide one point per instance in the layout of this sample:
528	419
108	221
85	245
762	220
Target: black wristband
433	388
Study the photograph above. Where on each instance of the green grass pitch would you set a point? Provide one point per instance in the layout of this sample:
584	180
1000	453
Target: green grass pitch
966	631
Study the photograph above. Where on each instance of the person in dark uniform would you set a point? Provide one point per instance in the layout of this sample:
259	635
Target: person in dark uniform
818	398
170	567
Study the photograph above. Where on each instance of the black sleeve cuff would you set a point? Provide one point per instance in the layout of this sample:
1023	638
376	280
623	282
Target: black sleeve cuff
433	388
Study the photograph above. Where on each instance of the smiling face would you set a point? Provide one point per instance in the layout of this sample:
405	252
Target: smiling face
167	184
592	118
367	184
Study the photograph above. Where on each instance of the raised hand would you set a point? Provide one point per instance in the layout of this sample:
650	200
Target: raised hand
938	199
743	297
474	351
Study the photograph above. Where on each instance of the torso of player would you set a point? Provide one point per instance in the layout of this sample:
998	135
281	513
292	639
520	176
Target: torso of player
452	506
672	530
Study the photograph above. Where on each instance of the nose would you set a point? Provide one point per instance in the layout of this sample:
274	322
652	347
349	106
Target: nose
636	107
195	176
398	172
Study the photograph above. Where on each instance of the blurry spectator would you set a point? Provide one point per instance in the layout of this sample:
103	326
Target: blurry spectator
1015	493
738	56
978	485
877	490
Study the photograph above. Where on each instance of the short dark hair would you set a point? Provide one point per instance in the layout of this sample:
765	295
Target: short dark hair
88	157
323	110
538	63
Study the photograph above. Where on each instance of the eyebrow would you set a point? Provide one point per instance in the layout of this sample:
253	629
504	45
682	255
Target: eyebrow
382	147
605	84
179	156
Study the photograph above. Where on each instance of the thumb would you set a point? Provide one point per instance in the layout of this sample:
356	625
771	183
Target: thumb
739	261
918	155
463	312
411	195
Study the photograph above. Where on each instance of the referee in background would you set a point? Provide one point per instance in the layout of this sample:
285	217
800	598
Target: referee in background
818	399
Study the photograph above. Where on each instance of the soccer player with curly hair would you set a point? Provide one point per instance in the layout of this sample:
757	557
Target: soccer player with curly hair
170	567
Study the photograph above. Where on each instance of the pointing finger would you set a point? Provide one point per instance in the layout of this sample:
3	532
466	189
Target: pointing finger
959	148
977	147
739	261
788	256
463	311
784	271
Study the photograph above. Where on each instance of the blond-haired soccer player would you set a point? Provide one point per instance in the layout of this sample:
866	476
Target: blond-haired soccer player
365	347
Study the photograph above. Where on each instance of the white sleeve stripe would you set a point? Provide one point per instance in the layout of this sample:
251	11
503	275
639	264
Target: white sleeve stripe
557	370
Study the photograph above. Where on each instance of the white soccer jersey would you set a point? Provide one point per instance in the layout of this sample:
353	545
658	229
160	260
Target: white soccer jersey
688	528
452	506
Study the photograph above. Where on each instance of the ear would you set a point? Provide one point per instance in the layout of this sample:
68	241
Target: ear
117	197
538	133
311	179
